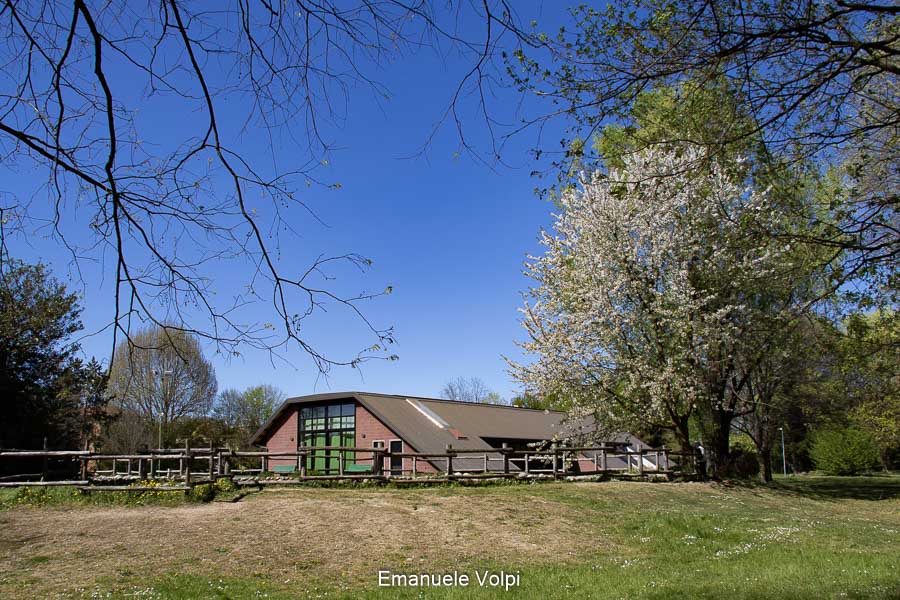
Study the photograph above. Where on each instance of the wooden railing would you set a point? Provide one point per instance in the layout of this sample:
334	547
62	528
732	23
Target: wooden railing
179	466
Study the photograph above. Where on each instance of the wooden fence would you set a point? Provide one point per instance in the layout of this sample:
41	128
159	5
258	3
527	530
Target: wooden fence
182	468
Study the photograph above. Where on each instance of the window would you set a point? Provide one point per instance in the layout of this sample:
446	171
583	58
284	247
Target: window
328	425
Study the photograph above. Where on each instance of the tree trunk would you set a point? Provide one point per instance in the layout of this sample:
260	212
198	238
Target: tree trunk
682	434
716	443
764	456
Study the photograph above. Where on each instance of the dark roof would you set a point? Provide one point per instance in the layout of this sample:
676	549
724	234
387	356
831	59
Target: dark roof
409	417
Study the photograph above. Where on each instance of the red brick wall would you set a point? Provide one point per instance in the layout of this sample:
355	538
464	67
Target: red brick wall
284	438
368	429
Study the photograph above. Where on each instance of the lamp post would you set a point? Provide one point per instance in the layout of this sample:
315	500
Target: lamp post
162	374
783	457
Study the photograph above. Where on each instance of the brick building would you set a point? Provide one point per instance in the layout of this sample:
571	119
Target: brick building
409	424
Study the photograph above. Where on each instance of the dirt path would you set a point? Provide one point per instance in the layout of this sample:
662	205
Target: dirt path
336	533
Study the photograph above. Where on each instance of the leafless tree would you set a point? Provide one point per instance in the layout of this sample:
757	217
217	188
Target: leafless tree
126	432
472	389
161	374
83	84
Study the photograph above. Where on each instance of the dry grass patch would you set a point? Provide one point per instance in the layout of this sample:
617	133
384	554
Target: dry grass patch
801	538
340	534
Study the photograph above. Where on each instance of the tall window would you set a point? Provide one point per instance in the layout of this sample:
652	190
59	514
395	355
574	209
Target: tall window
328	425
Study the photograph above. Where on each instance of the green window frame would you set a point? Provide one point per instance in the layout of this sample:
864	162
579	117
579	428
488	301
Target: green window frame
327	425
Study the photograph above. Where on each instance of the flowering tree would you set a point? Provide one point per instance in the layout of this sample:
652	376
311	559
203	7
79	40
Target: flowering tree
650	294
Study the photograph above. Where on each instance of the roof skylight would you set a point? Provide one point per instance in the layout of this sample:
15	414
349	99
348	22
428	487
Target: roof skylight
428	414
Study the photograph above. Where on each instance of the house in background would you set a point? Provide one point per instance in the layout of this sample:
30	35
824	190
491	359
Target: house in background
418	425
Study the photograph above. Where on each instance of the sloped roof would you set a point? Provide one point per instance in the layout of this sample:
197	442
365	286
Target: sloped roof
426	423
498	421
429	425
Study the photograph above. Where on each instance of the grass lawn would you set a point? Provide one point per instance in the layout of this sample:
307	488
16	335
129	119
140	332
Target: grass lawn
803	537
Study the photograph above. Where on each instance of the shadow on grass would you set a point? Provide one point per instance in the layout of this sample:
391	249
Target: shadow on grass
820	487
816	487
884	487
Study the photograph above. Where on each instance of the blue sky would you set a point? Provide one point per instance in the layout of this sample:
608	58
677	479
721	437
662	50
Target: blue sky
448	233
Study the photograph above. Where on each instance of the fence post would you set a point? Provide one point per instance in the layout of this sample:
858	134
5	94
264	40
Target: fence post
377	462
657	460
142	469
302	459
340	463
505	458
414	466
555	449
527	472
641	461
227	469
603	463
212	471
449	460
666	457
187	462
44	462
84	463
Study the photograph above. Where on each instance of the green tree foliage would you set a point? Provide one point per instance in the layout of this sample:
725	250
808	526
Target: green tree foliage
709	114
243	413
802	66
880	418
871	377
86	396
843	452
816	81
549	401
48	391
833	375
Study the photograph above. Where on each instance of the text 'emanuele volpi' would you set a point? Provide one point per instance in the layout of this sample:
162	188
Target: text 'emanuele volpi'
494	579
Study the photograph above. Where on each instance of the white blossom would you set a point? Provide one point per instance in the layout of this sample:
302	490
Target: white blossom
643	290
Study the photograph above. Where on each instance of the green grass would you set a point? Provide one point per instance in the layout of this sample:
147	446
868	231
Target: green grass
802	537
69	496
63	496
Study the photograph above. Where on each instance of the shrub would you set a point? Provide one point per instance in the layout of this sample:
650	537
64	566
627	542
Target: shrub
33	496
843	451
744	459
744	463
223	484
205	492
